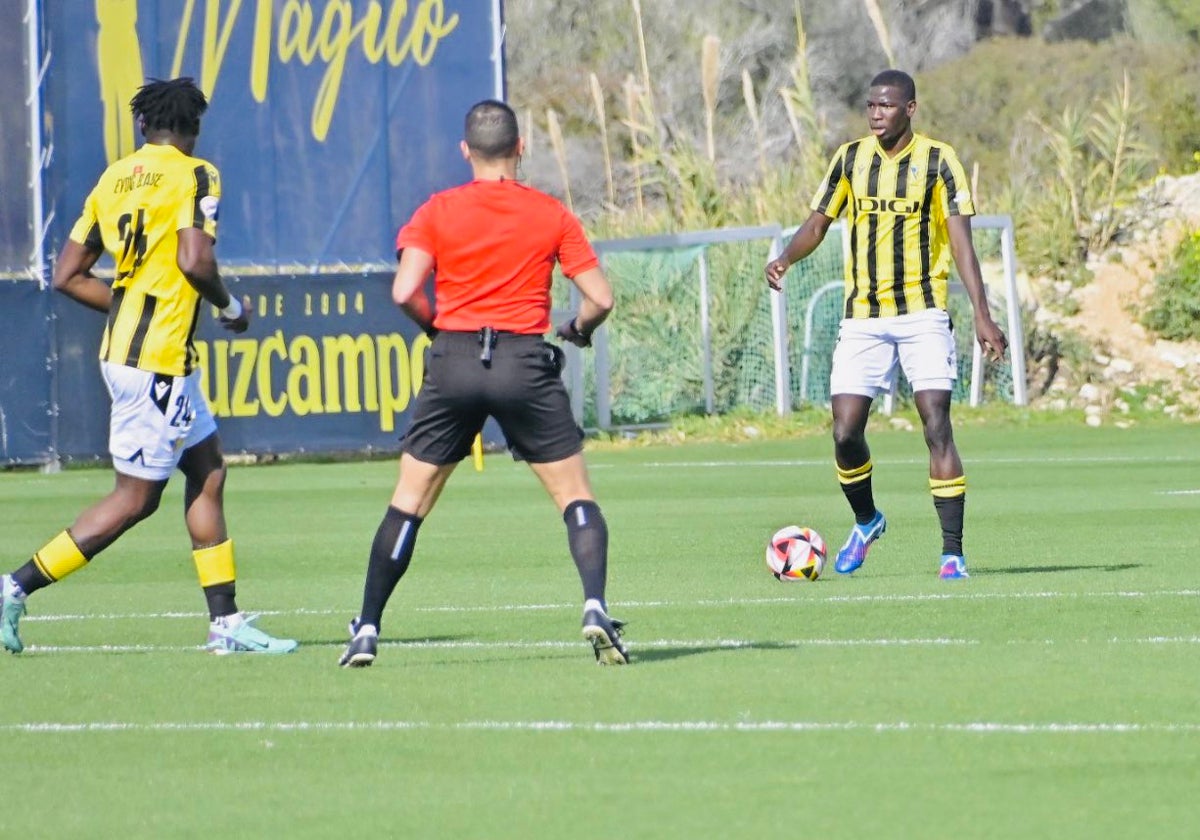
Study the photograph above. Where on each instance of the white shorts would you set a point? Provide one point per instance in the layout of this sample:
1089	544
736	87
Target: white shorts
868	349
155	417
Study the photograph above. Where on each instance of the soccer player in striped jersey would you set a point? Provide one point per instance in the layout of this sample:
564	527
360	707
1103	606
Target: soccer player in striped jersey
908	206
155	212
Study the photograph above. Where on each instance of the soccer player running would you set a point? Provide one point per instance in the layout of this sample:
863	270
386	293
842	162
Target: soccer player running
155	212
909	209
493	244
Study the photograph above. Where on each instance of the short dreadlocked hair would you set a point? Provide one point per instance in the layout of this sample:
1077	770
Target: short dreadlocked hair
173	105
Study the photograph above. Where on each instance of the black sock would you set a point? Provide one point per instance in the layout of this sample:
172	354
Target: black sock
950	513
390	555
587	535
856	486
861	499
30	578
220	597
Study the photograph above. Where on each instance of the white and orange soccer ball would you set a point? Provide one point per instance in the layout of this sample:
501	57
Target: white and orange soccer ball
796	553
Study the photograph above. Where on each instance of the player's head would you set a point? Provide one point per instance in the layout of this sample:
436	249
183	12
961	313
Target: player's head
491	131
171	107
891	102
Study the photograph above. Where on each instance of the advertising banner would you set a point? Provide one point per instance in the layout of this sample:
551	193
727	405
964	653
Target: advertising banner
329	364
26	406
330	121
16	224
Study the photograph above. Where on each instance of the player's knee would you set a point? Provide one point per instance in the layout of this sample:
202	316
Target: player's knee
214	482
203	465
136	506
847	436
939	434
583	513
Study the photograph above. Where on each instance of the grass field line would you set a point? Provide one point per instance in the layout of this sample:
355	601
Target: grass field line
707	602
651	644
613	727
525	644
825	462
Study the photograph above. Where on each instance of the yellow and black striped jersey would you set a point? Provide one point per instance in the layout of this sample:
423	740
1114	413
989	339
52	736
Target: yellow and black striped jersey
134	213
896	209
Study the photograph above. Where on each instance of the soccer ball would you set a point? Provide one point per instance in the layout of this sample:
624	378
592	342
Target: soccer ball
796	553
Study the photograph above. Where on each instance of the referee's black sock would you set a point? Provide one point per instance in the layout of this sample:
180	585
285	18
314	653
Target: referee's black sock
390	555
587	535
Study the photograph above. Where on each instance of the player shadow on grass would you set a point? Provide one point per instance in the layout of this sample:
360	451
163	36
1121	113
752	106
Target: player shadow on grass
664	654
1033	570
395	641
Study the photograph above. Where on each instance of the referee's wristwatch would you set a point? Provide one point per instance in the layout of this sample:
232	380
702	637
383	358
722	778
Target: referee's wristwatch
576	333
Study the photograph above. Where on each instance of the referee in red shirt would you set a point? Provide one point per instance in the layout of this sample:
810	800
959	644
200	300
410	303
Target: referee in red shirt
492	245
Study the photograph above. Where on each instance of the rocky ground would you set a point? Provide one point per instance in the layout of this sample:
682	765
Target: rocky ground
1129	366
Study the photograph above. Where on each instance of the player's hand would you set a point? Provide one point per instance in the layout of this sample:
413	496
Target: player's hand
991	338
776	270
242	322
569	331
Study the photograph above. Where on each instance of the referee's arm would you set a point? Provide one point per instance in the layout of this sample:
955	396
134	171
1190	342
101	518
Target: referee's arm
597	300
408	287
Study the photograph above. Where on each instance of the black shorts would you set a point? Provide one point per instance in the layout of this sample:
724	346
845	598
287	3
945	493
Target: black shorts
521	388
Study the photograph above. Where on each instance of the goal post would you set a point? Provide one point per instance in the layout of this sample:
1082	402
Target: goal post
696	331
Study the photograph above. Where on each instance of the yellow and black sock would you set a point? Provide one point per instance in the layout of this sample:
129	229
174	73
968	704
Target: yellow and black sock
53	561
950	499
856	486
218	577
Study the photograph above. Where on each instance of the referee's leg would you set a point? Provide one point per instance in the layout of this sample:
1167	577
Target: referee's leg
417	490
567	483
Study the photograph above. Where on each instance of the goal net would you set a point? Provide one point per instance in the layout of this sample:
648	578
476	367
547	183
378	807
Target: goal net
696	330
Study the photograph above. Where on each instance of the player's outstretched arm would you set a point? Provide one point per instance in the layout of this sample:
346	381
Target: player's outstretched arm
803	242
991	338
73	277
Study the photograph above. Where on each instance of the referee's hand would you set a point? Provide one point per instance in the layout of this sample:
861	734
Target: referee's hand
569	331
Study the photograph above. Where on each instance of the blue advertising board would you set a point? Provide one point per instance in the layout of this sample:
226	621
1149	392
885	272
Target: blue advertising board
330	121
16	225
329	364
27	407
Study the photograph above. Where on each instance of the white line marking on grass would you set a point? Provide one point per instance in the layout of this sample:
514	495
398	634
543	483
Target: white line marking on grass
114	616
825	462
618	727
1179	492
468	644
640	645
112	648
711	602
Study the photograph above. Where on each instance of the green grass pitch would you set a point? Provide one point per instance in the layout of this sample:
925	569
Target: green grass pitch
1054	694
